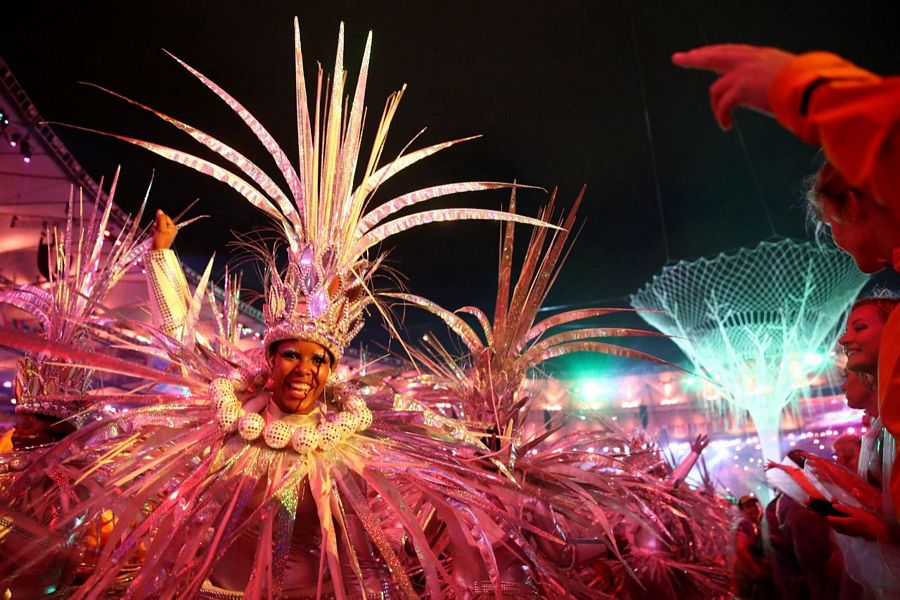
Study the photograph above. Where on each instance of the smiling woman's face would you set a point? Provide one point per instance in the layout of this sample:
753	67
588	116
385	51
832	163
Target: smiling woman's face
860	394
300	370
862	339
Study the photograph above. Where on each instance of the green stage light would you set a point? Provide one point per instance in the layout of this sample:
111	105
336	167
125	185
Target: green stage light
592	389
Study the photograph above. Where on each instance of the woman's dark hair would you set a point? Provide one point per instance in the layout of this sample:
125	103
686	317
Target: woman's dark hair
273	348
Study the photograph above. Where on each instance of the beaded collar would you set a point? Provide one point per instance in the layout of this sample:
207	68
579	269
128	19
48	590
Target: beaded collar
331	430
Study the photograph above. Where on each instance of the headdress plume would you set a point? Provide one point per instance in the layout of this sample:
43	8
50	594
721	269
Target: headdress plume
324	291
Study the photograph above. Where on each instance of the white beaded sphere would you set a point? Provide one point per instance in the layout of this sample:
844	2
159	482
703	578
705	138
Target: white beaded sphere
228	416
221	393
240	379
329	435
277	434
220	384
365	418
229	402
251	426
249	377
348	421
305	439
355	403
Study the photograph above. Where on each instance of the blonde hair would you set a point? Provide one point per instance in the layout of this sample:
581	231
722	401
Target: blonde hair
884	302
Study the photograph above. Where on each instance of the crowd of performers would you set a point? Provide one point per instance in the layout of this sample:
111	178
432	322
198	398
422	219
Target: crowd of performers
226	473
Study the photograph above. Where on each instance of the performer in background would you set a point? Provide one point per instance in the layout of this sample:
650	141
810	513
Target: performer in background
84	264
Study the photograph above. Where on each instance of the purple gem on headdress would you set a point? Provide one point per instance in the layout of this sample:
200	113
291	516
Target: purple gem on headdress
318	302
311	280
306	258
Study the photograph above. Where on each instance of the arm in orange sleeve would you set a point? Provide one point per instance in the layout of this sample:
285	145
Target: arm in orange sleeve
853	113
889	400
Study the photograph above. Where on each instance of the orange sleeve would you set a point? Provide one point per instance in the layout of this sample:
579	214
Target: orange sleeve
889	393
6	440
853	113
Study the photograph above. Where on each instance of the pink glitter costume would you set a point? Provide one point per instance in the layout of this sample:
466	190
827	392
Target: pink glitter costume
211	492
84	264
590	500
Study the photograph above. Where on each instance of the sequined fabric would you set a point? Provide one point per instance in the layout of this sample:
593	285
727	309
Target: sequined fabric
417	505
86	259
168	289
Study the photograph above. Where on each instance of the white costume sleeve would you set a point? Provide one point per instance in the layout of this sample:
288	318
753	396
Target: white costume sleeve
168	289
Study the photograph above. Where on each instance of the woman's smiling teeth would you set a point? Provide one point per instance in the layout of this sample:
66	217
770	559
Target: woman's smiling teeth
299	387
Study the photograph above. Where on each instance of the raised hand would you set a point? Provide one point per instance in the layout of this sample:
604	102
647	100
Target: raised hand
858	523
164	231
746	73
700	444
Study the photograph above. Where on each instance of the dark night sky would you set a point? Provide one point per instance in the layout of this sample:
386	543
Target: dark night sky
555	88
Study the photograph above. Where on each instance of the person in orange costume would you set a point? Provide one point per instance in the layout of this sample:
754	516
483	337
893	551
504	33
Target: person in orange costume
855	115
822	98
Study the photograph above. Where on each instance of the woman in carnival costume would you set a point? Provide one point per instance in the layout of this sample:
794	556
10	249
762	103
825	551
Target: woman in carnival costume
276	480
84	263
257	482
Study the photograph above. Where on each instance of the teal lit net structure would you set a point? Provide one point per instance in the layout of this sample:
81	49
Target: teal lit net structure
751	320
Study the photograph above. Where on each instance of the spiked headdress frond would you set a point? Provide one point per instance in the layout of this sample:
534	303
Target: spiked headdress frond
325	289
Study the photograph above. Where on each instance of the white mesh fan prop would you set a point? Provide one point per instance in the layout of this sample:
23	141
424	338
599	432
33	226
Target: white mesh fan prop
746	320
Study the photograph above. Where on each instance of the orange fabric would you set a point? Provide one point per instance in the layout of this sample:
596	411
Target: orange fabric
889	392
853	113
889	387
6	440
